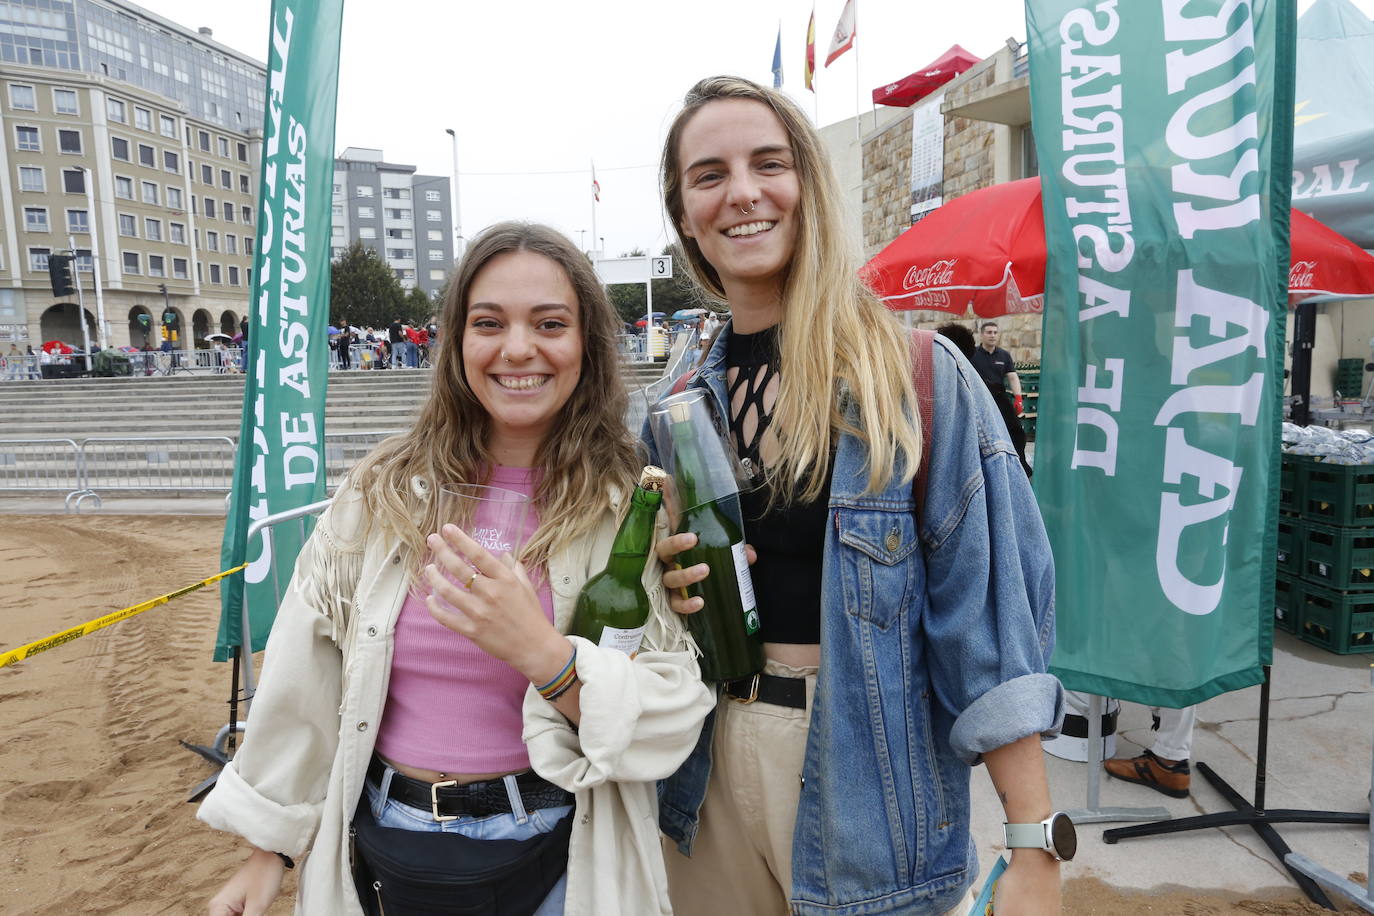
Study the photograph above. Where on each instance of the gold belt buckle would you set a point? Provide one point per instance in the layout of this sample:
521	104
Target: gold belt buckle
753	692
434	800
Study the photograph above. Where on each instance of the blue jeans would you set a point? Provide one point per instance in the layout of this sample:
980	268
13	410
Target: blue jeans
518	825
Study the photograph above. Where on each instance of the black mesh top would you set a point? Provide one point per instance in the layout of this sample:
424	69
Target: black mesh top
790	539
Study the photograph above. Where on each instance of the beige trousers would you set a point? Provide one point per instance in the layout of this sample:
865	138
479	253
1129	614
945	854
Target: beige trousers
741	863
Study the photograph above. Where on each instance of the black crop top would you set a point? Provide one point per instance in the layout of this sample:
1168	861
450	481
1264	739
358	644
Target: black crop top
790	538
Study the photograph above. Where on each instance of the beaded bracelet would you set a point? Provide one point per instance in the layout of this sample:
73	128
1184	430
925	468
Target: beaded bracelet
561	681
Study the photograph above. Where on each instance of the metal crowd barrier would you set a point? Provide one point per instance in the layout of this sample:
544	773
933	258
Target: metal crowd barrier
40	465
168	464
683	357
19	368
343	450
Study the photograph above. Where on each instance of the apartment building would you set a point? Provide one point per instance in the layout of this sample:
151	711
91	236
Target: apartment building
406	218
136	139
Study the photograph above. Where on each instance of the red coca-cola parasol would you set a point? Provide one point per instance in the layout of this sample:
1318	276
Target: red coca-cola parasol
986	250
56	347
932	76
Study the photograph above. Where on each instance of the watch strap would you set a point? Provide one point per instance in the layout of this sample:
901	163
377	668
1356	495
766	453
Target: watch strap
1027	836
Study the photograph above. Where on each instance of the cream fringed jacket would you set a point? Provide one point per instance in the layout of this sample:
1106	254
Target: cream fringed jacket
296	780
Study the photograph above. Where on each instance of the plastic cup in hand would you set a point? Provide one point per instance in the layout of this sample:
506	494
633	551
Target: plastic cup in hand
498	519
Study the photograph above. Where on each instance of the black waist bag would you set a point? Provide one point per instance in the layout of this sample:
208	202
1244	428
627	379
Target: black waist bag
414	873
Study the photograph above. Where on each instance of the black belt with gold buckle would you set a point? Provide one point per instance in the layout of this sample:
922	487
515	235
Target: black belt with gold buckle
449	801
768	688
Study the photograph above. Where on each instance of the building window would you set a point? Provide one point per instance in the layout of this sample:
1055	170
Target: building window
171	162
243	183
233	275
64	101
152	229
26	138
204	141
228	212
367	232
433	216
366	213
30	178
364	190
400	254
248	244
396	193
147	156
210	211
74	181
432	196
212	241
128	225
395	213
155	266
130	259
436	275
223	147
69	141
338	190
114	110
226	180
143	119
36	219
246	212
23	98
173	198
243	152
336	232
207	174
176	233
38	258
83	260
179	268
214	273
231	244
399	234
78	221
336	211
124	187
119	149
150	195
435	235
436	254
169	126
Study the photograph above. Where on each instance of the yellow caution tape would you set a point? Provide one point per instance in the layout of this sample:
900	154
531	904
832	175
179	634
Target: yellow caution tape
66	636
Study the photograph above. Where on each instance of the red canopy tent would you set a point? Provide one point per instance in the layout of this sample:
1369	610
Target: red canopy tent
986	249
932	76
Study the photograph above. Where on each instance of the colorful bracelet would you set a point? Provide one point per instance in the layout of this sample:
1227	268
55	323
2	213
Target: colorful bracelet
561	681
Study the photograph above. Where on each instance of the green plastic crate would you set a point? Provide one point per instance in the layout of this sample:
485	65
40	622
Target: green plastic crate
1292	534
1339	558
1337	494
1290	498
1287	601
1341	622
1028	424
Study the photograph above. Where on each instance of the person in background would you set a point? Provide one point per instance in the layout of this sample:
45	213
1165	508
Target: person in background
344	341
996	367
906	632
1164	765
963	339
395	338
399	682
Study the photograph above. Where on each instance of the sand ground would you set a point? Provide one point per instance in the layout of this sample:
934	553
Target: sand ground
93	783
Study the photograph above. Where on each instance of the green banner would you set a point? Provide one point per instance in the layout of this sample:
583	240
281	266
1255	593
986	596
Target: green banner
281	457
1163	129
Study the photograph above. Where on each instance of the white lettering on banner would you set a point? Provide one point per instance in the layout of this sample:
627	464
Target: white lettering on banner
1321	185
1099	212
293	344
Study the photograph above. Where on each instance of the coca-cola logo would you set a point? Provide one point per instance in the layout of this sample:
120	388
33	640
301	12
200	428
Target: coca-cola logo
940	273
1302	274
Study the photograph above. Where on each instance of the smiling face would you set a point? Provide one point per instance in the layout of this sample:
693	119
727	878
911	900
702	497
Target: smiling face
740	192
522	350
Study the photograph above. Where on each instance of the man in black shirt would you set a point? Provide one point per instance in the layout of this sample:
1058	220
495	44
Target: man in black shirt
397	338
997	369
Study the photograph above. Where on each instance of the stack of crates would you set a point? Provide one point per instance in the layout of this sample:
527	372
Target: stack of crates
1325	588
1350	378
1029	374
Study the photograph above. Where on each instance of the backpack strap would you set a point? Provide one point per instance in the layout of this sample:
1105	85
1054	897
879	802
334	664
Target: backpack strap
922	376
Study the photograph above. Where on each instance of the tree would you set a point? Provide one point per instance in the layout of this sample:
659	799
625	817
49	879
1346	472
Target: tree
676	292
363	289
418	307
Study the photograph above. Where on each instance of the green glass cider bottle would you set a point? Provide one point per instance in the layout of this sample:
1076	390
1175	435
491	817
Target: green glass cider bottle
726	628
612	606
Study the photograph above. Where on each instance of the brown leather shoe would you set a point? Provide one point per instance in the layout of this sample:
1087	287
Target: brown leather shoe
1148	770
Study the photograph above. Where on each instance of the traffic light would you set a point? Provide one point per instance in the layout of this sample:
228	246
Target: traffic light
169	320
60	273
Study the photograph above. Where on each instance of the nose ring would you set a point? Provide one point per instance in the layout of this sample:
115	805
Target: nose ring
504	356
752	205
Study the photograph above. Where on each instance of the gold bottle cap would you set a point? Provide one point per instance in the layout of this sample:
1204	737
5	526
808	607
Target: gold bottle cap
652	478
679	413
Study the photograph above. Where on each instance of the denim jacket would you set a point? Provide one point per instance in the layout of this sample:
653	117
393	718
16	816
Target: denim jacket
934	643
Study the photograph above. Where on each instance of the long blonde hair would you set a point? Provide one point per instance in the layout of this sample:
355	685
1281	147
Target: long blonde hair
835	336
588	447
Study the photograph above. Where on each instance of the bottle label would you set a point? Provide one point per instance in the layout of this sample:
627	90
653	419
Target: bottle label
746	589
626	641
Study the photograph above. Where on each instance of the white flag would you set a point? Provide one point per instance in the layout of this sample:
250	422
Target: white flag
843	39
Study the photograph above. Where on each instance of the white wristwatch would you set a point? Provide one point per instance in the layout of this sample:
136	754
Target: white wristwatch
1055	834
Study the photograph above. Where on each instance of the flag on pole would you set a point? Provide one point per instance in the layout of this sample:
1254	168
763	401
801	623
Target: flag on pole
596	185
280	462
810	71
843	39
777	60
1157	464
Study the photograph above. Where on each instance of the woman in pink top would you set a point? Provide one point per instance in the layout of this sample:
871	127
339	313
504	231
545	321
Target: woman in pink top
418	690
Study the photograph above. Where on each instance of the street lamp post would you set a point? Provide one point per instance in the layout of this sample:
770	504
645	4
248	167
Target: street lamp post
457	211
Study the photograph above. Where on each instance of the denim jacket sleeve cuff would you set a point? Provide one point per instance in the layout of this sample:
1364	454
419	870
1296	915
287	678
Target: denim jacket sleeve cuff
1008	712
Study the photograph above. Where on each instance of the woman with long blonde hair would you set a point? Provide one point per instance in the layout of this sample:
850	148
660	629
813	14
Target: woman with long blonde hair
419	700
907	614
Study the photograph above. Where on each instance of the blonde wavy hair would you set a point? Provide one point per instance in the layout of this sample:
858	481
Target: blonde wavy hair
588	446
835	337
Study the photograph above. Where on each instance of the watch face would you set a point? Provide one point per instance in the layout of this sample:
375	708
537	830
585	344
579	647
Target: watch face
1063	836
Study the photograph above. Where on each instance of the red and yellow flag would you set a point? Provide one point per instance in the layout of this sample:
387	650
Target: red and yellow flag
810	69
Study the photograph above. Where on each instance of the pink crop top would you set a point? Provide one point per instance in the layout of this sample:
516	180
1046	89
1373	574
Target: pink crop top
451	707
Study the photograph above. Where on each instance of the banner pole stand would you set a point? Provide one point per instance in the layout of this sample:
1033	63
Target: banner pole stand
1094	813
1253	815
221	751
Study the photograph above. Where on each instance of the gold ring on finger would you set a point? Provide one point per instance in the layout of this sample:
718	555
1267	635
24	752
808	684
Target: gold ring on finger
471	579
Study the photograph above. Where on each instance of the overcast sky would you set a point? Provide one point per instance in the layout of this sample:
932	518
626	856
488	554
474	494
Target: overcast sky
539	89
